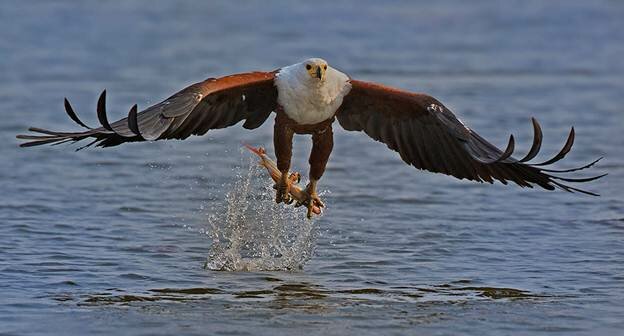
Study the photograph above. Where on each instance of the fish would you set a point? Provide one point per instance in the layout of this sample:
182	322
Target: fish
295	191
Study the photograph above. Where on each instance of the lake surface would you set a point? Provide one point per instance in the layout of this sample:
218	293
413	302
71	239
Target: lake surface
182	237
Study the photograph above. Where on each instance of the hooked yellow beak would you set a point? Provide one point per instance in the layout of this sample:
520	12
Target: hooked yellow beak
316	71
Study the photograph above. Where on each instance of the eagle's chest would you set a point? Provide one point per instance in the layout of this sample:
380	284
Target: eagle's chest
308	107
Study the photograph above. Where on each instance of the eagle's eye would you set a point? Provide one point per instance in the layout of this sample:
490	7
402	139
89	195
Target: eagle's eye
308	66
325	67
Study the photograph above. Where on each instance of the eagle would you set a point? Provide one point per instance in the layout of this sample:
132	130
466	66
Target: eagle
307	98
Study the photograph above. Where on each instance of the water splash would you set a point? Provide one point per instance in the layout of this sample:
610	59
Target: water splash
252	233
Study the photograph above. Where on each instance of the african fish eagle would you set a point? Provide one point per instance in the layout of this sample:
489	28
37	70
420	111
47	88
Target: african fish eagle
307	98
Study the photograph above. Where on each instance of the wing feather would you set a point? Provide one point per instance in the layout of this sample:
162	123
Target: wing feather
198	108
428	136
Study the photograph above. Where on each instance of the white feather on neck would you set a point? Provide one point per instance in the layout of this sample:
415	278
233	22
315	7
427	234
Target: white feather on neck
308	100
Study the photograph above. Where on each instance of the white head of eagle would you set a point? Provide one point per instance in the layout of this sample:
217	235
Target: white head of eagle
311	91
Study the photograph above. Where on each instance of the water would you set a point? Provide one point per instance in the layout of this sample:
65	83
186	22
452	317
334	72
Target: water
122	241
255	234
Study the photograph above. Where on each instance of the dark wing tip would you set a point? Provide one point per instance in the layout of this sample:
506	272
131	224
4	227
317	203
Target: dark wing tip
72	114
573	169
537	141
563	152
88	145
572	189
101	112
43	141
509	150
578	180
133	123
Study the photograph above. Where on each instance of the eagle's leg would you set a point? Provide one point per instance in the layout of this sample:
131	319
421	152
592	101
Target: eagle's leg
322	145
282	142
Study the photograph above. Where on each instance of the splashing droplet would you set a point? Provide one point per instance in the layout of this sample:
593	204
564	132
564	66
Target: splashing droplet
253	233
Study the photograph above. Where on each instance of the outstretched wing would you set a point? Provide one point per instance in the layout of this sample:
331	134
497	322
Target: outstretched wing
211	104
428	136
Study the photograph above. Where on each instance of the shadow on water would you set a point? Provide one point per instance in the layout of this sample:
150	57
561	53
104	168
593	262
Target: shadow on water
308	297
